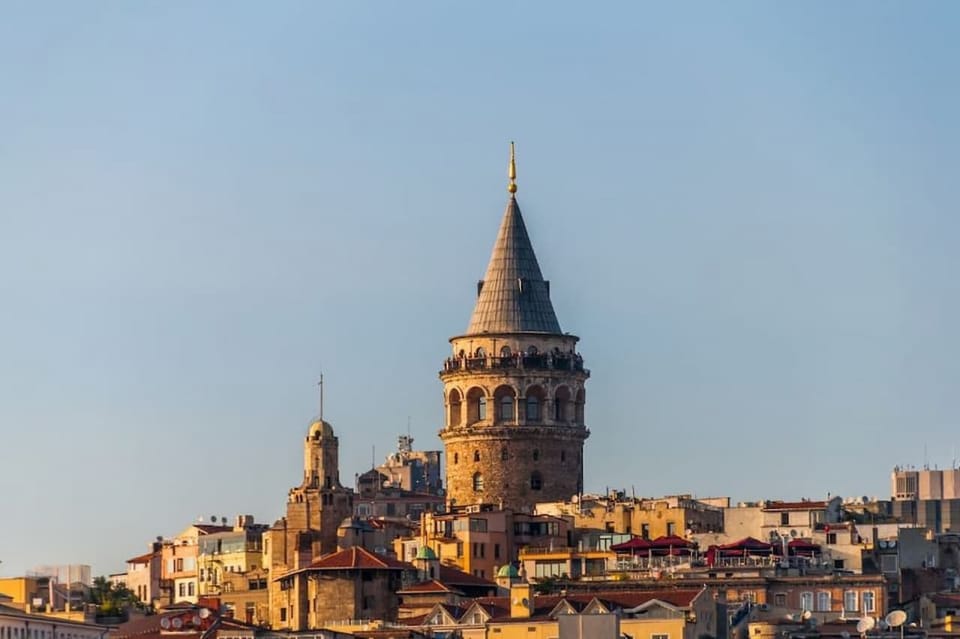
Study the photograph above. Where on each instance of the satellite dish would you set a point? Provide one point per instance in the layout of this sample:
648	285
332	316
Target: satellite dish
204	613
195	620
213	519
845	635
525	601
789	617
794	533
165	623
896	618
806	615
177	623
866	624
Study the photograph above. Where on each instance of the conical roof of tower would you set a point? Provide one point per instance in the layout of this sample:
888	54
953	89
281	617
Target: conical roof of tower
513	296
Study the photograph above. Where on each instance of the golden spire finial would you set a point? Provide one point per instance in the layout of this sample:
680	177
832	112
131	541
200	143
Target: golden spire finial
512	171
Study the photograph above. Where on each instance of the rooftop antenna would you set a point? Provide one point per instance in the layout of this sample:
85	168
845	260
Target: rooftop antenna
373	456
320	384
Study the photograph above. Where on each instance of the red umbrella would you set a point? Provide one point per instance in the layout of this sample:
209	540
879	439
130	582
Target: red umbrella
635	544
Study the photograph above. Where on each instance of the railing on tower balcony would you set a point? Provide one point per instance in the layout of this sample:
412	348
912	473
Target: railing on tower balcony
519	361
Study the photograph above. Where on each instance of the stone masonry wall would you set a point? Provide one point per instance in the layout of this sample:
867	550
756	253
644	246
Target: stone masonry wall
507	459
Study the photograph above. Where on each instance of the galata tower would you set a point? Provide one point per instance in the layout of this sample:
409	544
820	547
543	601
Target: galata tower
513	385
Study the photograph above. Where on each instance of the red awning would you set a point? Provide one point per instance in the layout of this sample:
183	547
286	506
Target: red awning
636	543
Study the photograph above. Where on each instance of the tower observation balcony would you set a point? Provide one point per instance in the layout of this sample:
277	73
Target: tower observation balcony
517	361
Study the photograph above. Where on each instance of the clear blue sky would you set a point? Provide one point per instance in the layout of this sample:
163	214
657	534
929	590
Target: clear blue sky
748	212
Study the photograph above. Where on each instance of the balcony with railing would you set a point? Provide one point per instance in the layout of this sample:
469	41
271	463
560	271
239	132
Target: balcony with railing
517	361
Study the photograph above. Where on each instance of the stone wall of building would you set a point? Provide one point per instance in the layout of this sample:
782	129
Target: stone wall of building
515	466
353	595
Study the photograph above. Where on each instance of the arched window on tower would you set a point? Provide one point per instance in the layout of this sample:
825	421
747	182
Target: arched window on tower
476	455
504	454
505	352
561	400
536	480
578	406
506	408
455	406
534	403
533	409
476	405
456	458
477	483
536	455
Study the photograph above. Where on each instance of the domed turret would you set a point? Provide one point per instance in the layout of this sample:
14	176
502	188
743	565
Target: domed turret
509	571
426	553
320	429
427	563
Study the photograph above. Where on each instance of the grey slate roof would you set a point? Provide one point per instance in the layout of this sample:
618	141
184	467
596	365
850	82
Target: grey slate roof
513	296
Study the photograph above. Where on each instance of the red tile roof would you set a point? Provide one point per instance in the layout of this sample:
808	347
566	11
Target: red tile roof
456	577
499	607
143	559
357	558
431	585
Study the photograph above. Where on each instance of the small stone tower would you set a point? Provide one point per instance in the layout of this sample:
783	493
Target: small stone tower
513	386
316	507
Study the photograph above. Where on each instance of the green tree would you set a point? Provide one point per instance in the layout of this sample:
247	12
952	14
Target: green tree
113	600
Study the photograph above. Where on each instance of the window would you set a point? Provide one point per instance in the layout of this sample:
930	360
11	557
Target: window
645	531
179	565
748	596
476	455
536	481
477	483
504	454
482	408
806	601
182	590
505	351
838	564
506	408
671	528
784	519
536	454
546	569
496	551
456	457
869	603
533	409
659	636
850	601
823	602
831	539
563	455
780	600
